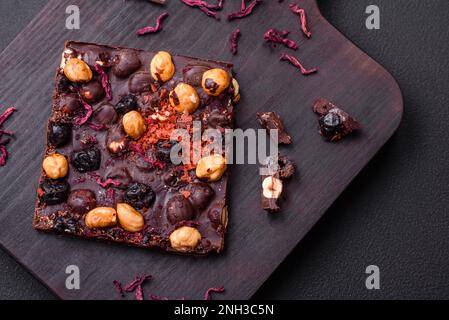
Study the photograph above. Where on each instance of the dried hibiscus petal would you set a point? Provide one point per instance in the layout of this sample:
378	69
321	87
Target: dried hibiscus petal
244	10
280	36
207	295
3	155
234	41
8	112
104	81
303	18
207	8
85	118
118	288
107	183
156	28
294	61
136	285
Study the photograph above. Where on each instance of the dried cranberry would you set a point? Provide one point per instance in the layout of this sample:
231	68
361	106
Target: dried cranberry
179	209
200	194
139	195
53	192
60	225
330	124
65	85
59	134
126	104
86	160
163	150
81	201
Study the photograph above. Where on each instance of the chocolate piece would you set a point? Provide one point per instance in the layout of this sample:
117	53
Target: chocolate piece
334	123
273	182
108	167
272	121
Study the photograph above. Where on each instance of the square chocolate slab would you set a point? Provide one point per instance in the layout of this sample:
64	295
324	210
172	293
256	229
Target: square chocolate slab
107	172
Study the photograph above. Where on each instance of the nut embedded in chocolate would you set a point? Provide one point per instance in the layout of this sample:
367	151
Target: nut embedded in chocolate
105	115
92	92
141	82
179	209
334	123
125	63
81	201
272	121
201	194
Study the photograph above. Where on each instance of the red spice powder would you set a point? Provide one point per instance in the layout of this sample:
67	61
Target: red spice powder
207	294
295	8
85	118
295	62
157	28
104	81
280	36
244	10
234	41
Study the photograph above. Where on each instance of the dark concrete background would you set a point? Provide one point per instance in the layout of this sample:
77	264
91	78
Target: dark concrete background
395	214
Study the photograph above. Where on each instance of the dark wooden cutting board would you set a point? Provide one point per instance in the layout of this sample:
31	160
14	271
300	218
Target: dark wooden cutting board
256	243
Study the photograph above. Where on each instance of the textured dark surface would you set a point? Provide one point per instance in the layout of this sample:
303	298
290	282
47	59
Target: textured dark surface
393	215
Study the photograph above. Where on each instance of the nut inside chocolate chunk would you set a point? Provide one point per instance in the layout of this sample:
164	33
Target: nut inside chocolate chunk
272	121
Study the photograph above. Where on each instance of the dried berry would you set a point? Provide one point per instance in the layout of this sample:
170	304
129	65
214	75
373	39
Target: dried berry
53	192
126	104
139	195
61	225
82	201
179	209
59	134
65	85
86	160
330	124
163	151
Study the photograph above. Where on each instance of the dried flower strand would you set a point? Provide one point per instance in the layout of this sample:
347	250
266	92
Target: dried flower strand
8	112
235	35
207	8
207	294
280	36
295	8
244	10
104	81
156	28
118	288
85	118
294	61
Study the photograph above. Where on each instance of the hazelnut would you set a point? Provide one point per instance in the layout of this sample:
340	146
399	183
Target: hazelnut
215	81
184	98
236	86
101	217
55	166
77	70
211	168
134	124
129	218
162	67
272	188
185	238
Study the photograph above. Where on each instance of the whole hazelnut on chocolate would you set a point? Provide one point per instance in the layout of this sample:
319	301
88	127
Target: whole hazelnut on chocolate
92	92
69	104
105	114
55	166
179	209
125	62
184	98
140	82
215	81
81	201
77	70
162	67
185	238
116	141
134	124
211	168
201	194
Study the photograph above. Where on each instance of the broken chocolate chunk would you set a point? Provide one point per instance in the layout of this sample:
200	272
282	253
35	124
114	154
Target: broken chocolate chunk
334	123
272	121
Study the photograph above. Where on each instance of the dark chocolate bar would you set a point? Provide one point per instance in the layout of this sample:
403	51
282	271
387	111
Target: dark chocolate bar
272	121
107	172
